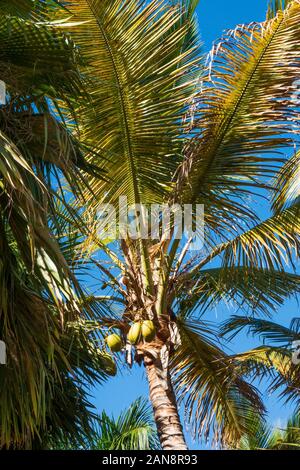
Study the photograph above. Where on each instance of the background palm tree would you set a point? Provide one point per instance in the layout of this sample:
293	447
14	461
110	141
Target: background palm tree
166	127
39	295
133	429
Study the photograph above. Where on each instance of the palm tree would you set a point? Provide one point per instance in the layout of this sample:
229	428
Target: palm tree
39	295
133	429
166	127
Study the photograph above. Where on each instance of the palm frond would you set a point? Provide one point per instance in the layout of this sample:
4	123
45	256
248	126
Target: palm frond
17	7
264	361
269	438
28	8
259	290
246	115
39	294
291	434
37	303
268	330
272	243
276	5
217	400
275	360
134	429
37	57
287	188
141	76
276	364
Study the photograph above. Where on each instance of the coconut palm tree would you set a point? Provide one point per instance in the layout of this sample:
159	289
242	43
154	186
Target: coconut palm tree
166	127
133	429
39	295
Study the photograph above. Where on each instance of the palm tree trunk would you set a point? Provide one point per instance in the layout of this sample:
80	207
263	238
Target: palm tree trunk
166	415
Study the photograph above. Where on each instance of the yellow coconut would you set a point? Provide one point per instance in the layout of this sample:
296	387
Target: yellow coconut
114	342
148	330
134	333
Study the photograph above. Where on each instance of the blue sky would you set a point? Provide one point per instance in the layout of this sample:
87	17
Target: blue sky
118	393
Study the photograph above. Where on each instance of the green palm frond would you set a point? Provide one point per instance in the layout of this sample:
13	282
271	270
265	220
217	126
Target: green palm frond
272	243
18	7
35	309
69	417
270	362
260	290
245	115
276	5
39	294
27	7
24	223
39	67
30	135
275	360
217	400
287	184
261	437
141	76
37	58
275	364
134	429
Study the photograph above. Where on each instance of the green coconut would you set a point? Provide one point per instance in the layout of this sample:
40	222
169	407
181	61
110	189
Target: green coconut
134	333
114	342
148	330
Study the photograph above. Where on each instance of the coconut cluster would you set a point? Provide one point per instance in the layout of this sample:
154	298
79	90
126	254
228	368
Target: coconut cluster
139	330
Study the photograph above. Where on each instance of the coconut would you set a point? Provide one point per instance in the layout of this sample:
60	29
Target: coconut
148	330
134	333
114	342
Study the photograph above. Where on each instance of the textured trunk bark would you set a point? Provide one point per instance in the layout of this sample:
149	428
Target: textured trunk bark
165	411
